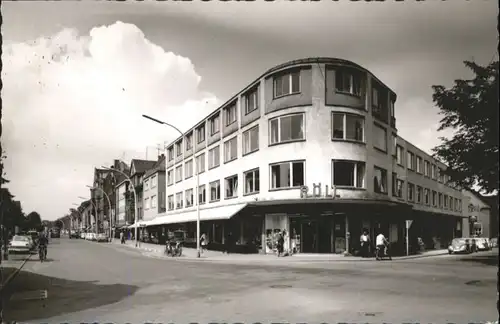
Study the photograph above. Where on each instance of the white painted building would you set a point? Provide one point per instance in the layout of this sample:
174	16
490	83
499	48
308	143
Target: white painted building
321	123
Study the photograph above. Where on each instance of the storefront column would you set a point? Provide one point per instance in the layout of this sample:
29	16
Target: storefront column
242	236
224	233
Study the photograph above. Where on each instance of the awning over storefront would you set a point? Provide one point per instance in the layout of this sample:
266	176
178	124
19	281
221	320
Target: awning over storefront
216	213
140	223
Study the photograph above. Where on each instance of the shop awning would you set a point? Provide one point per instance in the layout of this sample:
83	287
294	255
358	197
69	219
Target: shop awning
216	213
140	223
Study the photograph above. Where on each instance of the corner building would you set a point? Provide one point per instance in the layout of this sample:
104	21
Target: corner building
310	147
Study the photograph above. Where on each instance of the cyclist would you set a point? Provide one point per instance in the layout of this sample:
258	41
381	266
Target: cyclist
43	243
381	243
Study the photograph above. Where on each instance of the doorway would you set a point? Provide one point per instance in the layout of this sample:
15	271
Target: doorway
309	236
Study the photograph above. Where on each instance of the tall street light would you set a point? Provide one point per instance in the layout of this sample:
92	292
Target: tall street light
109	204
135	198
95	208
195	166
76	209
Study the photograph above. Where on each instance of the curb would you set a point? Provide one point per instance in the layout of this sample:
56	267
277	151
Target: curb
14	273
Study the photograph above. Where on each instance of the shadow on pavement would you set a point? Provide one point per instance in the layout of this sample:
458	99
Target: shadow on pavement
63	296
490	260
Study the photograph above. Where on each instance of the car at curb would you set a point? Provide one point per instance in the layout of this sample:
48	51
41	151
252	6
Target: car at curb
458	246
20	244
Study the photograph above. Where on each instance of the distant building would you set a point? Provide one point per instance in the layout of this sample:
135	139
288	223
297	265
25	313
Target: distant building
482	216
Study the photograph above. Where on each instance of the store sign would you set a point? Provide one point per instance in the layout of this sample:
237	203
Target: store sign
316	192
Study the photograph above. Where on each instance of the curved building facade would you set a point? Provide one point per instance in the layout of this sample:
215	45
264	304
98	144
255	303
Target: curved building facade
310	147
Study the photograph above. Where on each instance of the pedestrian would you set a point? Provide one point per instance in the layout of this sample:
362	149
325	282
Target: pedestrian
281	244
203	242
364	241
122	237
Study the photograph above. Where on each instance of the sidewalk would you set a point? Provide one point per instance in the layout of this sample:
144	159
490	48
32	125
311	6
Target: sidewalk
190	254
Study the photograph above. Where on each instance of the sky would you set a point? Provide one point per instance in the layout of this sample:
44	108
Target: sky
78	75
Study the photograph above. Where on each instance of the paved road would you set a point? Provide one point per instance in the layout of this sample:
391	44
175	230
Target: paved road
90	282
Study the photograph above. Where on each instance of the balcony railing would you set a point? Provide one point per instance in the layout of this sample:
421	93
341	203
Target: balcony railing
393	121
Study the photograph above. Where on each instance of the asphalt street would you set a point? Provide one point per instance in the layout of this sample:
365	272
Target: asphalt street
92	282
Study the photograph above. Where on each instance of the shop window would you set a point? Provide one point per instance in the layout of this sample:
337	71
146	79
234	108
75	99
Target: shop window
252	181
348	174
287	83
214	191
251	140
287	175
231	186
380	137
380	180
348	127
287	128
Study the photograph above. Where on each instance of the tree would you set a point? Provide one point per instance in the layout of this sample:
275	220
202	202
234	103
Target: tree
34	221
470	108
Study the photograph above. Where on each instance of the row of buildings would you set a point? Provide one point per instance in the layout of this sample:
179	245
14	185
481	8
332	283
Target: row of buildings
311	147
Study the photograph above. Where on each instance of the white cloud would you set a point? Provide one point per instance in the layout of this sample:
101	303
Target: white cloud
72	102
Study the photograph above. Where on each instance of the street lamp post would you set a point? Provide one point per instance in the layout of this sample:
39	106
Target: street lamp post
109	204
136	216
95	208
197	197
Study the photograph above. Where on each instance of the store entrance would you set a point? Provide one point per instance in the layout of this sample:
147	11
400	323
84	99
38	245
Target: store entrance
312	235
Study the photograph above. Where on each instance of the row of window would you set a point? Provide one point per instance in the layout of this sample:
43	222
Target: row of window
150	202
419	165
150	183
347	81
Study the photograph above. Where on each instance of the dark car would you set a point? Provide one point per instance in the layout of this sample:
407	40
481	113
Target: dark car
74	234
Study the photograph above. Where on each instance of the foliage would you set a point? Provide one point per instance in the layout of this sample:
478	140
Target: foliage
470	109
33	221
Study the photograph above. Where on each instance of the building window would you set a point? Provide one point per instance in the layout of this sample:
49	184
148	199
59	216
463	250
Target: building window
214	125
153	181
410	160
446	201
434	198
251	140
162	202
189	141
231	186
348	127
146	185
252	100
460	205
153	201
146	203
170	177
440	175
214	157
170	153
348	82
230	114
188	169
214	191
419	165
200	163
178	174
348	174
231	149
189	197
411	192
427	169
375	100
426	196
286	84
399	155
380	137
178	148
252	181
397	186
287	128
440	200
419	194
202	194
379	102
380	180
171	204
287	175
391	107
178	200
433	172
200	134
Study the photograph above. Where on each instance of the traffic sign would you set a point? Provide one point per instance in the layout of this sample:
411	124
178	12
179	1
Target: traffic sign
408	223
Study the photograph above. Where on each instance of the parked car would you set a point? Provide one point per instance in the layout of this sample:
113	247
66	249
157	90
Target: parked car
482	243
494	242
83	235
20	244
91	237
458	245
74	234
102	237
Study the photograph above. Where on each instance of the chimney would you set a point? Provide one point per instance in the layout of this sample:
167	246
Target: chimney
160	157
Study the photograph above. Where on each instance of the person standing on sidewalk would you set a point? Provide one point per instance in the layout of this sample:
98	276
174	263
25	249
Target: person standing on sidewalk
203	242
365	243
281	244
122	237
